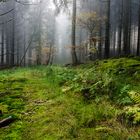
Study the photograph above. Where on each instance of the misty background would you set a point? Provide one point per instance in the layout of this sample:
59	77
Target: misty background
44	32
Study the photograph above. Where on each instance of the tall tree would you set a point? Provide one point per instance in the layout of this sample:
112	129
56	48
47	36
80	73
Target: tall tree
73	36
12	58
100	32
2	45
120	27
38	49
138	42
127	27
107	34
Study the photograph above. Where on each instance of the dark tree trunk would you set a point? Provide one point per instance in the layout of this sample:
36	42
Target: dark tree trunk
114	42
127	27
18	57
100	43
38	49
107	34
7	45
100	35
2	45
13	42
138	42
120	28
24	47
73	37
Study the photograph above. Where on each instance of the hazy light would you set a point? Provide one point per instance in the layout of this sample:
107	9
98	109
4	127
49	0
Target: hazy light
51	6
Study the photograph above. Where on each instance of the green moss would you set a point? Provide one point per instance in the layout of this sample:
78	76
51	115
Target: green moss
83	102
135	96
131	115
103	129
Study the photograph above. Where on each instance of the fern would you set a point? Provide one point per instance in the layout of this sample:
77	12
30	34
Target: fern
132	114
135	96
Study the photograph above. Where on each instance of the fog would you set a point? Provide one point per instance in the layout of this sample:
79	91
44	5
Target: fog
62	39
49	32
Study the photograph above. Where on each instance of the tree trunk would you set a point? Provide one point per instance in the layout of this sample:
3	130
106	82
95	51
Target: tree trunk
2	45
7	45
107	36
13	42
100	35
39	37
24	46
138	42
127	27
73	37
120	29
114	42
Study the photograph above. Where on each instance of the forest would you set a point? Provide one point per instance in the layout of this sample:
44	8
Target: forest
69	69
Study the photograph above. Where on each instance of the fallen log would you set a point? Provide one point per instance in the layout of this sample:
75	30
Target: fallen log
6	121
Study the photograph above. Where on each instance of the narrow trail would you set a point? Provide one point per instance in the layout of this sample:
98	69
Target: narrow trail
47	112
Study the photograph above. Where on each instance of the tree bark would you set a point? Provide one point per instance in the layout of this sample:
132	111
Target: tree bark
73	36
120	28
107	36
138	42
127	27
38	49
13	42
6	121
2	45
7	45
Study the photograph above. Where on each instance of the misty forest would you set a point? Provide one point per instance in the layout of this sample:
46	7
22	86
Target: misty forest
69	69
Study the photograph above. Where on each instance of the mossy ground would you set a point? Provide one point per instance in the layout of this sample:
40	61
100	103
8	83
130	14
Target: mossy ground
98	101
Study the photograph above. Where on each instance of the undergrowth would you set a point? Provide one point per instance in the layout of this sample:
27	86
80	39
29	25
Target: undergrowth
98	100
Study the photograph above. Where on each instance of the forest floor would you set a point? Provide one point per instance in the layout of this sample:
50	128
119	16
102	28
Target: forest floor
98	100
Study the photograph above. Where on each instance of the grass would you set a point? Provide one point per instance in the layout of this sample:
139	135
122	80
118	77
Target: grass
98	101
